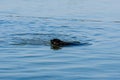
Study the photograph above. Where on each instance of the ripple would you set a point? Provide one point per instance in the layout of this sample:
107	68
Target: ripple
26	54
39	38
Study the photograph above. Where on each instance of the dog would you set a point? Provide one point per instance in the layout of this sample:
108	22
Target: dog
57	43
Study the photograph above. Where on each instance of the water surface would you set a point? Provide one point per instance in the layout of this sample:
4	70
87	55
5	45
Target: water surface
25	34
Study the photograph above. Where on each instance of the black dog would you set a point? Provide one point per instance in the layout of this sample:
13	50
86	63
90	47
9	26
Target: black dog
57	43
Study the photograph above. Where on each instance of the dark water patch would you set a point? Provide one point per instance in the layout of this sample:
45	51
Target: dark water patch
4	22
37	38
44	39
87	20
116	21
53	18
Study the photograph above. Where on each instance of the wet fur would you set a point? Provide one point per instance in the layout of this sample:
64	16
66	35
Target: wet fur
60	43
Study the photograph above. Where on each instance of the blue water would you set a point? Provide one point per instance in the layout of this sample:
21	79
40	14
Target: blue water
27	28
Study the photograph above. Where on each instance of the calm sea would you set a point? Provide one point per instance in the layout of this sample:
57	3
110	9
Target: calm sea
27	26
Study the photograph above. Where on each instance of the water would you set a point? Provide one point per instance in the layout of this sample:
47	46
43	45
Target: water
26	30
